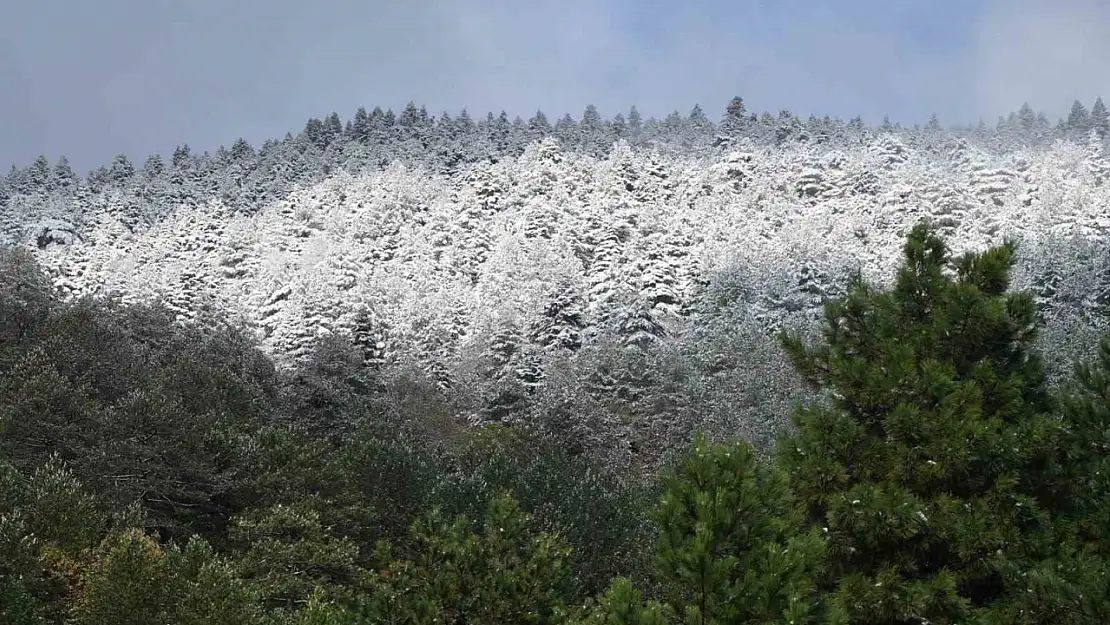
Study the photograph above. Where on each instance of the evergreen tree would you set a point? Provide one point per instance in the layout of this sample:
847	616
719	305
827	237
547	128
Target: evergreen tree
735	120
315	134
635	123
619	126
932	469
562	321
360	126
242	150
64	176
181	156
121	170
566	130
538	126
1079	120
698	122
153	166
1100	118
333	128
1086	411
1027	118
500	133
38	175
593	134
506	572
730	549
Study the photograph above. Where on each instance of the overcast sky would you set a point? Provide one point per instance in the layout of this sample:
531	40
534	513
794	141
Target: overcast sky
90	79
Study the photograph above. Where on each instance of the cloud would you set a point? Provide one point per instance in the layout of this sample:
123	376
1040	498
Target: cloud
90	80
1046	53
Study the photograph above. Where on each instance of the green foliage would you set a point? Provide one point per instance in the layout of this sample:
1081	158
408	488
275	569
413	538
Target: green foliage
46	520
128	583
317	610
287	554
132	580
730	546
208	588
389	483
623	604
133	403
1086	409
154	473
26	298
332	391
505	573
933	468
601	516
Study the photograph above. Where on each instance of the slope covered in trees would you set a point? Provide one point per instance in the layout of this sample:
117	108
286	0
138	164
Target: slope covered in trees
154	472
513	261
413	369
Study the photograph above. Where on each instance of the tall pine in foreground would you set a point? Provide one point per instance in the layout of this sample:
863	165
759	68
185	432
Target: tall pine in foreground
932	468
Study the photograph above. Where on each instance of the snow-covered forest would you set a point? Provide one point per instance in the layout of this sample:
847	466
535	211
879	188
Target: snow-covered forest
516	262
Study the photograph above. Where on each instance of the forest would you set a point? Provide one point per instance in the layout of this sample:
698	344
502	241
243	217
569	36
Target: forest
417	370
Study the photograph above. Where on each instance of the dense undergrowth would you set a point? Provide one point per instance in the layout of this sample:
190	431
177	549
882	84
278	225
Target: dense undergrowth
152	472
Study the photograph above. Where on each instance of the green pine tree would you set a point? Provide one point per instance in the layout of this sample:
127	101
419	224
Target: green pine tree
505	573
1086	409
730	549
623	604
932	467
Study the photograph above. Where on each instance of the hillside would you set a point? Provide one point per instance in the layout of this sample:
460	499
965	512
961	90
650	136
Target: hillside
499	265
407	370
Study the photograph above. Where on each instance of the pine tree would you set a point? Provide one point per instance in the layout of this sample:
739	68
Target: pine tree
593	134
1027	117
182	156
64	176
38	175
562	321
360	126
635	123
932	468
730	548
1100	118
1079	120
538	126
505	572
699	124
1086	412
121	170
735	119
619	126
153	167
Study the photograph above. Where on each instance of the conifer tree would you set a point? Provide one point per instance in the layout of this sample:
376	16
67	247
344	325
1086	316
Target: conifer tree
932	467
1079	119
735	120
1100	118
730	549
1086	410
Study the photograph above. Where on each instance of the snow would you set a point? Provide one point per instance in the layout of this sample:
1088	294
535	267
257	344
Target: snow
500	273
417	263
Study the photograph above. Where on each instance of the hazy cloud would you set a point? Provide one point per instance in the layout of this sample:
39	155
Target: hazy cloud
92	79
1047	53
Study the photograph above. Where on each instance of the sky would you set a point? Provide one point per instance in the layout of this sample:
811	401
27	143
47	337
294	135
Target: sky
90	80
